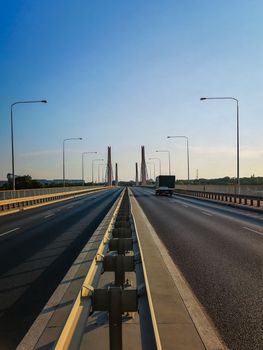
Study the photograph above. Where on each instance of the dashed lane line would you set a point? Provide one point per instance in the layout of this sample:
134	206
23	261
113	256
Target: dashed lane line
205	213
47	216
250	229
5	233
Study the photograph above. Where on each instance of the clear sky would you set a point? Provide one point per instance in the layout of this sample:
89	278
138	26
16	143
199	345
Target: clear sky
129	73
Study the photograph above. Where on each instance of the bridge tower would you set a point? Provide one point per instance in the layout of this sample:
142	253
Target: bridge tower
136	175
116	174
143	167
109	168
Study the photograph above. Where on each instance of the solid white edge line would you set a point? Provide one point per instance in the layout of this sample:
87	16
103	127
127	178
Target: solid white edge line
5	233
251	229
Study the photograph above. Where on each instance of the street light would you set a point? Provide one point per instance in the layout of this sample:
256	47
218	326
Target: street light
64	173
160	172
187	147
101	166
169	158
152	163
83	163
148	166
12	136
95	160
237	114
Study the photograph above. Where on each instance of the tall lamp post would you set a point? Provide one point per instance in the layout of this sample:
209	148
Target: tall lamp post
148	167
187	148
152	163
160	171
169	158
83	153
237	116
64	172
12	135
95	160
100	170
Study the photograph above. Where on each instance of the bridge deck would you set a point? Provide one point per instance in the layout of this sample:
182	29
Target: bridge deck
173	326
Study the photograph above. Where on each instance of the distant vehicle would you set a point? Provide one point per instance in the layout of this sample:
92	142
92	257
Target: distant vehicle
165	185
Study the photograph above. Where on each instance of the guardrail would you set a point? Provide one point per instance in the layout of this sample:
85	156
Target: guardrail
253	201
17	204
116	254
4	195
248	190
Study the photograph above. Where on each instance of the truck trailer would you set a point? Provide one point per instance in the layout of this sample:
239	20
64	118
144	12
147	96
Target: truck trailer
165	185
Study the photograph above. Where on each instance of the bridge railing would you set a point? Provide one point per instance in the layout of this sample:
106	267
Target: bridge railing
17	204
251	200
5	195
250	190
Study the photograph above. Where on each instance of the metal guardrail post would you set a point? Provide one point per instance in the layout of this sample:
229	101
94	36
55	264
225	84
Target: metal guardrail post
121	233
121	245
115	317
115	300
119	264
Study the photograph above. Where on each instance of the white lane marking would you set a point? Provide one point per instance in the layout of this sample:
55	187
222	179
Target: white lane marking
250	229
47	216
205	213
5	233
184	205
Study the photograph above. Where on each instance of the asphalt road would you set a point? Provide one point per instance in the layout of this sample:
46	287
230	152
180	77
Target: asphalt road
37	247
220	252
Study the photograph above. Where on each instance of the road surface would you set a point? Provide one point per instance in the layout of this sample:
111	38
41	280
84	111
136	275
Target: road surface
220	252
37	247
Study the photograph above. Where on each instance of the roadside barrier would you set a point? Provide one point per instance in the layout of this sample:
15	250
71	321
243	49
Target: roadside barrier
21	203
252	201
32	192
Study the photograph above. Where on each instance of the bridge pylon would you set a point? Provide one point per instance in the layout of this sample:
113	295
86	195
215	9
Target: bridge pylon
136	175
116	174
109	168
143	167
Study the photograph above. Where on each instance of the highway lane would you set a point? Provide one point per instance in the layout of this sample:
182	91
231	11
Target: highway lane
220	252
37	247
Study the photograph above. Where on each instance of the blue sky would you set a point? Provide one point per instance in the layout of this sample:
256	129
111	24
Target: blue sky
129	73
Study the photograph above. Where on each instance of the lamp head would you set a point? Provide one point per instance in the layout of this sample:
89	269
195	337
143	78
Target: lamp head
202	98
44	101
